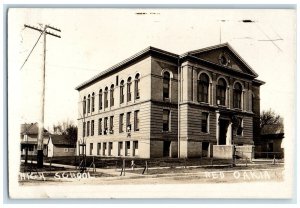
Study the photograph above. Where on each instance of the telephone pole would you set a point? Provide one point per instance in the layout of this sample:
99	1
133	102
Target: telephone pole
40	144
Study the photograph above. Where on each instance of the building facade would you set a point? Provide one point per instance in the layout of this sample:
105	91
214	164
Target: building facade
160	104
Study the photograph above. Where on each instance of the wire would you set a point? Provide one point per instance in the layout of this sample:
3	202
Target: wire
33	48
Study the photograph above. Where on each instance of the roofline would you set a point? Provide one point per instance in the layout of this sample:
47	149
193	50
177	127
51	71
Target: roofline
227	68
257	81
220	46
126	61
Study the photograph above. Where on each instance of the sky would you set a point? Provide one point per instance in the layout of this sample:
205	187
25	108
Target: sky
92	40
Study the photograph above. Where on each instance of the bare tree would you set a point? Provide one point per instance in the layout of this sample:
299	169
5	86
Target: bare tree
271	122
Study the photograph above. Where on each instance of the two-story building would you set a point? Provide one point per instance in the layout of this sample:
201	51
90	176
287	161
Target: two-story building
160	104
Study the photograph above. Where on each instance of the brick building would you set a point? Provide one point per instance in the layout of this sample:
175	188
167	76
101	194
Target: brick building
135	107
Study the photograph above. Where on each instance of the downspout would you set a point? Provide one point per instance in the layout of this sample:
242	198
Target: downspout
178	103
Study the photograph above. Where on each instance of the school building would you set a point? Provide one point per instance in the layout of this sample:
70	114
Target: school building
203	103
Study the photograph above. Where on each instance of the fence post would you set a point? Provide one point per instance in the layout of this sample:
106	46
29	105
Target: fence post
146	167
246	161
123	167
185	163
274	160
211	161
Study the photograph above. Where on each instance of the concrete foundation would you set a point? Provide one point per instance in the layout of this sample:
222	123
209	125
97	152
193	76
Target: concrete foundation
223	151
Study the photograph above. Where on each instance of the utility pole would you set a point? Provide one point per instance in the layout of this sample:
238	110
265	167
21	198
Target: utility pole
40	143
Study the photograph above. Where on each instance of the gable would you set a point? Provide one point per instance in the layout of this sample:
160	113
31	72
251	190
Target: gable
224	55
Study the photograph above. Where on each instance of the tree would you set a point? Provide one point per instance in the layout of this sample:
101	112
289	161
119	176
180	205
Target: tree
71	133
270	122
68	129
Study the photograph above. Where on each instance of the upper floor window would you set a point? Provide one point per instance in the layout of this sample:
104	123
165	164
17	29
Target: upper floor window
122	92
136	86
221	91
111	125
203	85
100	100
84	105
136	120
100	126
121	123
83	132
128	122
105	97
93	102
166	120
112	95
237	95
166	85
88	129
105	125
129	89
92	127
89	104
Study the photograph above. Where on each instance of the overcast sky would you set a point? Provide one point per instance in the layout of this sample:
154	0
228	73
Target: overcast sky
95	39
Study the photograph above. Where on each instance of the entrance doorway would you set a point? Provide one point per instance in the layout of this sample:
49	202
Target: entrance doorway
223	126
205	149
166	148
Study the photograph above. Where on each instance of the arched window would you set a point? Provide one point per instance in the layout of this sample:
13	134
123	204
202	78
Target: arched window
84	105
237	95
89	104
203	85
221	92
112	95
136	86
105	97
93	102
100	99
129	89
122	92
166	85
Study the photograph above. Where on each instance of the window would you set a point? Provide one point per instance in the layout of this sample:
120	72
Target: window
88	129
104	148
117	80
111	125
237	96
100	100
110	148
120	150
122	92
84	105
135	148
66	150
92	128
129	89
136	120
166	85
239	131
105	98
93	102
83	132
100	126
166	120
91	148
112	95
98	148
203	85
105	126
121	123
221	92
204	122
136	86
89	105
128	124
